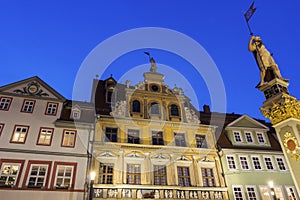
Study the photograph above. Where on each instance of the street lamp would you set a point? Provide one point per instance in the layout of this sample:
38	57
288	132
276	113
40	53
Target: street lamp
271	185
92	178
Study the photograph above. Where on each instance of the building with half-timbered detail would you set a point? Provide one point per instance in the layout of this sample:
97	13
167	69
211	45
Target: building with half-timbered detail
150	143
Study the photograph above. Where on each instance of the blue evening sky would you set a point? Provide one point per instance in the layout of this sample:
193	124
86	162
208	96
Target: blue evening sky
51	39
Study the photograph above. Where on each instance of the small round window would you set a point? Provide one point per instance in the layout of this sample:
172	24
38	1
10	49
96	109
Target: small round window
154	88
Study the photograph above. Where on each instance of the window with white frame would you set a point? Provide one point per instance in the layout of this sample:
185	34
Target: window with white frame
160	175
208	177
249	137
64	176
51	108
244	162
278	193
106	172
291	193
45	136
9	173
260	138
5	103
28	106
238	192
256	163
269	163
69	137
37	175
265	193
281	164
133	174
19	134
251	193
231	162
237	136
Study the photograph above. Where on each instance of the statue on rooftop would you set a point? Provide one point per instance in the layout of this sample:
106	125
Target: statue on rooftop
268	67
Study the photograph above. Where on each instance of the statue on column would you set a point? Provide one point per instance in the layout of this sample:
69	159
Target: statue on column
267	66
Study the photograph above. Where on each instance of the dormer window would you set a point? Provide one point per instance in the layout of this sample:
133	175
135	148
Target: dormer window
260	138
76	112
136	106
174	110
237	136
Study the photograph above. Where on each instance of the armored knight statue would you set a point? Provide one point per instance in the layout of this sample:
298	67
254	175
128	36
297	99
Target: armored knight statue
268	68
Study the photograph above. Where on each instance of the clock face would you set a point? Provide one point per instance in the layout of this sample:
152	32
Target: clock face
32	89
154	88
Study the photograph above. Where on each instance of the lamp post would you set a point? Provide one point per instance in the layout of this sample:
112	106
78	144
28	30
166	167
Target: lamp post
271	185
92	178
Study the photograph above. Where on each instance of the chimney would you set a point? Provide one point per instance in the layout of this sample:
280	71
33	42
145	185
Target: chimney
206	109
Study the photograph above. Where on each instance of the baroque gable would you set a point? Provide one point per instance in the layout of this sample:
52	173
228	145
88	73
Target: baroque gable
32	87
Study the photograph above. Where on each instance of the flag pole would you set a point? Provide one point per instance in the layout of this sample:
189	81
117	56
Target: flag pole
248	16
249	28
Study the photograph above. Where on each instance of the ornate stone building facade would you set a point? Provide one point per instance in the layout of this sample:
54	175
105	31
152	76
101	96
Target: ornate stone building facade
150	143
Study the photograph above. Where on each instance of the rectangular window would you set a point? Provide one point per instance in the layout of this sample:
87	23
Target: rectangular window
201	141
231	162
238	193
249	137
179	139
133	136
251	193
237	136
111	134
5	103
183	176
256	163
28	106
45	136
208	177
9	174
278	193
64	175
19	135
269	163
291	193
265	193
133	174
281	164
106	173
1	127
51	108
69	137
244	163
260	138
37	176
157	138
160	175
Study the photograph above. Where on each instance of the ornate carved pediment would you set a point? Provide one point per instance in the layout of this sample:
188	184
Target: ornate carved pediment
106	154
134	154
159	156
33	89
287	107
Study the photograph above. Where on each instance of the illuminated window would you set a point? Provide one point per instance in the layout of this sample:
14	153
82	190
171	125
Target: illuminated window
19	134
9	173
45	136
69	137
64	175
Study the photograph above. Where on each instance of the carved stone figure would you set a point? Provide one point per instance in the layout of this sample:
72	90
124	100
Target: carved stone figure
153	65
112	193
156	194
264	60
191	116
139	194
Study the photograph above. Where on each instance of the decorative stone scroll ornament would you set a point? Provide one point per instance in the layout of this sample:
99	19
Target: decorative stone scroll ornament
119	109
287	107
32	89
191	116
291	144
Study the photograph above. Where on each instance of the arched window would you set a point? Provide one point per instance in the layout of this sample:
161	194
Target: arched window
174	111
136	106
154	109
